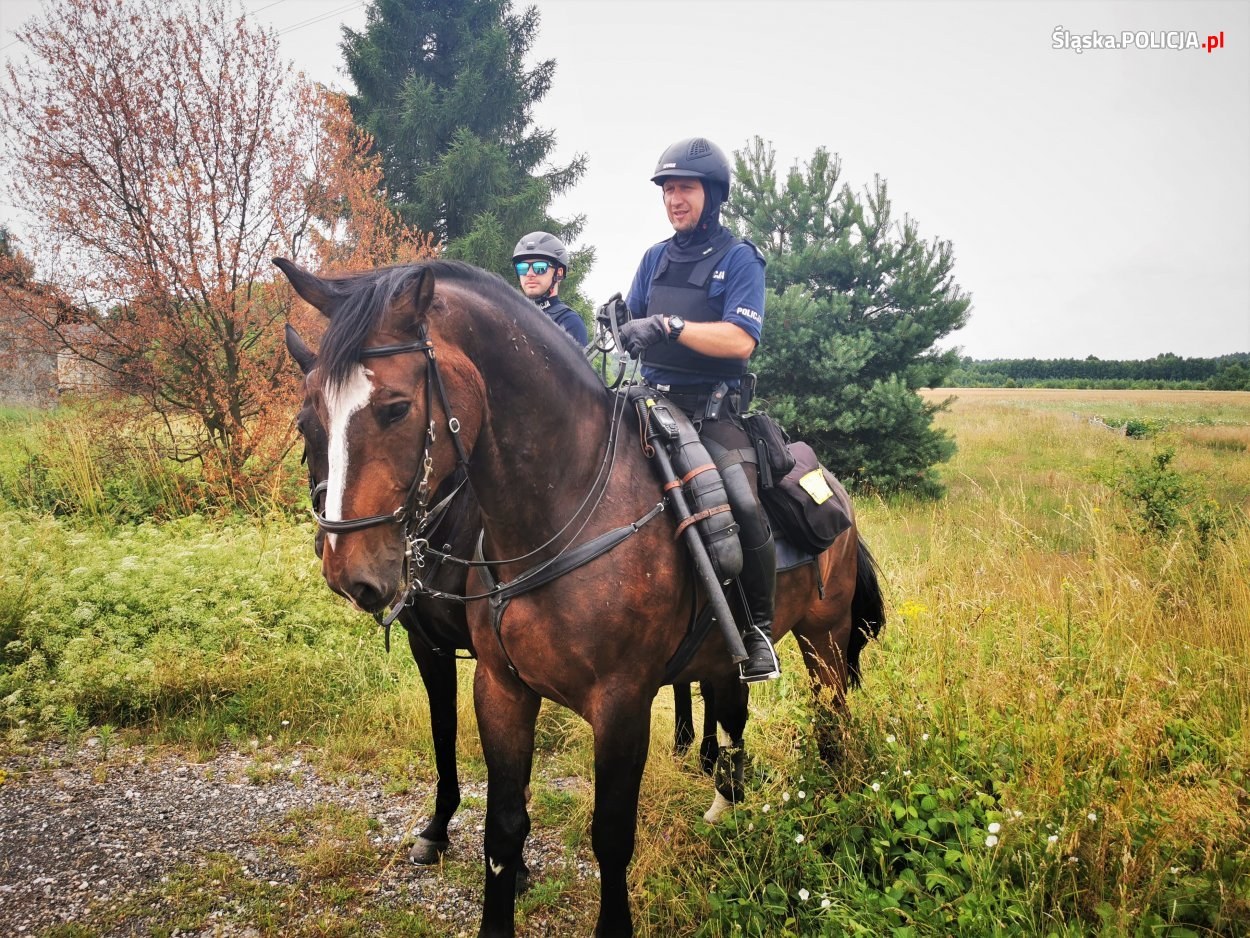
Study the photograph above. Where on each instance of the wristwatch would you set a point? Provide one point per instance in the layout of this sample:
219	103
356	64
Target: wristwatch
675	325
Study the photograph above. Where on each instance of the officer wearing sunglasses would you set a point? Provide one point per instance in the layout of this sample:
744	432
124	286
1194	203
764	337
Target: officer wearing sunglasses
542	261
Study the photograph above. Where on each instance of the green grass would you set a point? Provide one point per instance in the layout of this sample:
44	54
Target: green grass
1053	737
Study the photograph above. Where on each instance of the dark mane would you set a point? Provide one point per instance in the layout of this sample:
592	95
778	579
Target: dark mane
362	297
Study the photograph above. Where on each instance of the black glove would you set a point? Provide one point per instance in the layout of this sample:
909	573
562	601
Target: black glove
639	334
614	310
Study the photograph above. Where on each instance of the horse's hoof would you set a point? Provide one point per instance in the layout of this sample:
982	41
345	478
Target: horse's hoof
427	852
718	808
522	878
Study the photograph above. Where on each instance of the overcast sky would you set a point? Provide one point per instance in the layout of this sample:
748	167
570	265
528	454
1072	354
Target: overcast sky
1098	202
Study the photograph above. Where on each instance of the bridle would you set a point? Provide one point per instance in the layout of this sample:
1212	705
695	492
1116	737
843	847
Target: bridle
415	505
418	518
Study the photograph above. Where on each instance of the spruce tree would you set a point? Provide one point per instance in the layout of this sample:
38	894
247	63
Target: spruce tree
855	303
442	87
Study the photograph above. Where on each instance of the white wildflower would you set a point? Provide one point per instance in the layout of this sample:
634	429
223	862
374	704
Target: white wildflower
994	828
804	894
876	786
799	838
991	841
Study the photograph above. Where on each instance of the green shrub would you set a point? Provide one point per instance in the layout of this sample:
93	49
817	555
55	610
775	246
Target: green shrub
227	622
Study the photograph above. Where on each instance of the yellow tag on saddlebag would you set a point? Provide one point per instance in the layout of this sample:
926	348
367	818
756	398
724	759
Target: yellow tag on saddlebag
814	484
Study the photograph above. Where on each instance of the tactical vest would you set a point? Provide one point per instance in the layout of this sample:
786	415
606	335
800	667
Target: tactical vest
563	315
681	289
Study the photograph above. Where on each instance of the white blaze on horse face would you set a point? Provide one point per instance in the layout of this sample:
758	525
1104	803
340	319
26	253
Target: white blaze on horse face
343	401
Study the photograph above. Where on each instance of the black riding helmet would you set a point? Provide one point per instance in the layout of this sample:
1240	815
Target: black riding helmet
542	244
695	158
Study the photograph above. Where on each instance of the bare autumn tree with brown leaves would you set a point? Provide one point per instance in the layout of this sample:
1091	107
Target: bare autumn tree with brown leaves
167	153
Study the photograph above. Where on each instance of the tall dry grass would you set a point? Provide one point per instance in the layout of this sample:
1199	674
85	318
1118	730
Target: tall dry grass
1059	707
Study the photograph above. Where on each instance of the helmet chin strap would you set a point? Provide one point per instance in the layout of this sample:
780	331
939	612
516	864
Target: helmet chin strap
555	283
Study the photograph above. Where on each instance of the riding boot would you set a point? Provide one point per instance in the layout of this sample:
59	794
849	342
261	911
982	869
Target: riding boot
758	581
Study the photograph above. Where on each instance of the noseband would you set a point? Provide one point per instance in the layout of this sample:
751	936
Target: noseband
415	506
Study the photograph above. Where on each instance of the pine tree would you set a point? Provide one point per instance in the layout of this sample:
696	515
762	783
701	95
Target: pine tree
442	88
855	303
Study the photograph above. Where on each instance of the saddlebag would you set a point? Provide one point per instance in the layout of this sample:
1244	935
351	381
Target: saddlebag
807	505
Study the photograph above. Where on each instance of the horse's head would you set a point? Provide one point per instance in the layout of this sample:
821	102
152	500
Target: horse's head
374	397
316	439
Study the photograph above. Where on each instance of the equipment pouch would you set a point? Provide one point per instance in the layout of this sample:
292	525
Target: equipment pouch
766	435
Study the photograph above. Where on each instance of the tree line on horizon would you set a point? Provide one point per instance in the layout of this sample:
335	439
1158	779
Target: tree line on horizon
1222	373
169	152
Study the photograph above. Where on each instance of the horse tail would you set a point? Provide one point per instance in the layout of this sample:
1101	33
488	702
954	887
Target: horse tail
867	610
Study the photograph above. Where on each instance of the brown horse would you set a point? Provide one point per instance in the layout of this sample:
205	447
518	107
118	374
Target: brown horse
585	596
437	629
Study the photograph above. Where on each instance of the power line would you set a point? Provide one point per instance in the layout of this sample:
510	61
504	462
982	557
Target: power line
321	16
266	7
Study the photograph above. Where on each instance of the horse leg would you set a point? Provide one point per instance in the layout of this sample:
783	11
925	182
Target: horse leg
709	746
506	715
622	735
438	673
683	719
683	730
825	657
727	704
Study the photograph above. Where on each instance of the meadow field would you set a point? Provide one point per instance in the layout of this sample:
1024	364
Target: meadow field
1052	738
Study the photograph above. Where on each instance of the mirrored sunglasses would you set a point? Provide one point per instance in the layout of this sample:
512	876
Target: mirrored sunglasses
540	267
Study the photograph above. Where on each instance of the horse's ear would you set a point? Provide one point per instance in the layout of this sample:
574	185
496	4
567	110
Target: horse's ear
312	288
305	357
421	292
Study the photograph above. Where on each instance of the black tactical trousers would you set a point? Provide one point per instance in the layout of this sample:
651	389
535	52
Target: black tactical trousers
758	578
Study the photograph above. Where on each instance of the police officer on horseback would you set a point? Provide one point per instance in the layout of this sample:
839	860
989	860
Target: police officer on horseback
541	261
697	302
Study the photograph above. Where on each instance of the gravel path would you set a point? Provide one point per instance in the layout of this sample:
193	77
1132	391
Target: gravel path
81	839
